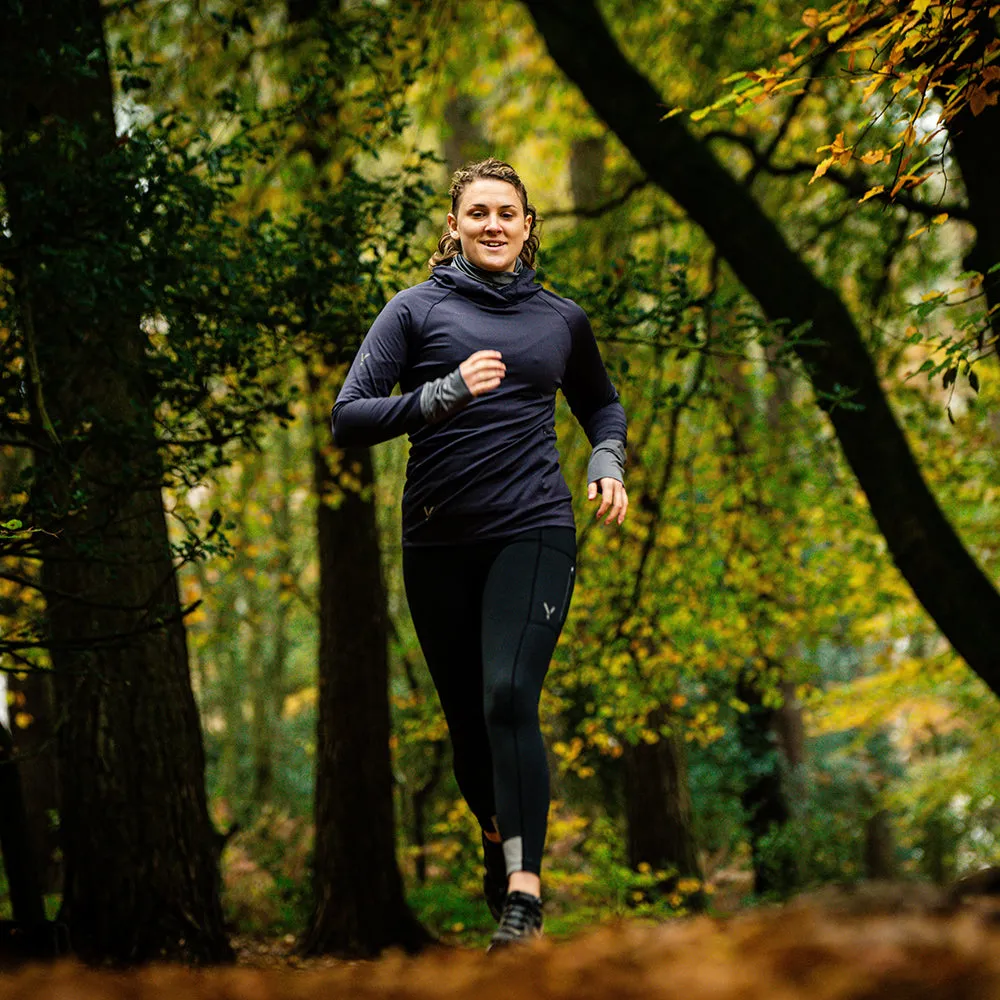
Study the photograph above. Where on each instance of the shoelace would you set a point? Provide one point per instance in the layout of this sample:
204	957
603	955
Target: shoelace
521	915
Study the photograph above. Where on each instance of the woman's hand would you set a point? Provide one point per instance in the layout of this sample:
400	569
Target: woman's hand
614	499
483	371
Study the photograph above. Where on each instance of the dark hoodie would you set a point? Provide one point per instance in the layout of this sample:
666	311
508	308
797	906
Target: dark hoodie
490	470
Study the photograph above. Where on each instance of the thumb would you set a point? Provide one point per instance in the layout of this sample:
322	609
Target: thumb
592	491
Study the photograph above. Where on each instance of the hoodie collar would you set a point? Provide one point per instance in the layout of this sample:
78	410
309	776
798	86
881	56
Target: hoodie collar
521	288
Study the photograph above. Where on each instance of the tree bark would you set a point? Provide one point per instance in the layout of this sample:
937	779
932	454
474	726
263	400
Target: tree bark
34	745
464	140
658	805
944	576
764	799
359	905
880	848
141	864
23	883
973	139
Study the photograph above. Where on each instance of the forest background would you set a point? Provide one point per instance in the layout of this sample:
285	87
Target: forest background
780	673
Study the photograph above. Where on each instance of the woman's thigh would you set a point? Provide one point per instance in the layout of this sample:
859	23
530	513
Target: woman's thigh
525	603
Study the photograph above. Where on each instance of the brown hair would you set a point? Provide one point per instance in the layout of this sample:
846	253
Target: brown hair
488	169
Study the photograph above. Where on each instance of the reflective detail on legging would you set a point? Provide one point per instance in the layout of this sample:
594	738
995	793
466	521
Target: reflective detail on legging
513	853
488	617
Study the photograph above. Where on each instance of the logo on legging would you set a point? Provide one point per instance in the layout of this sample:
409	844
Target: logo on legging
428	511
548	610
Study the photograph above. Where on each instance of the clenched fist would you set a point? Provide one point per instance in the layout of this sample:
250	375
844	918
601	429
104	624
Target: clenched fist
483	371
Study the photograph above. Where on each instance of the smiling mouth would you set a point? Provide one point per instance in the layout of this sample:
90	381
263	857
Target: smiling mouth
493	245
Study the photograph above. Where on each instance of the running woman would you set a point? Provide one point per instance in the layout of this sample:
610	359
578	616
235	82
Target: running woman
489	543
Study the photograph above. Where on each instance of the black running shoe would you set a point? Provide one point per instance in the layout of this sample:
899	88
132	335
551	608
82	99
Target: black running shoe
520	922
495	877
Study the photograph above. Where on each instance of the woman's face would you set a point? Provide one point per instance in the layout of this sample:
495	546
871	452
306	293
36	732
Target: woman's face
490	224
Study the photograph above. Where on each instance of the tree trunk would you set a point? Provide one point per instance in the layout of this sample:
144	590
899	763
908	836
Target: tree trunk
359	905
35	748
273	666
658	805
943	575
880	850
464	140
141	864
764	800
23	883
973	139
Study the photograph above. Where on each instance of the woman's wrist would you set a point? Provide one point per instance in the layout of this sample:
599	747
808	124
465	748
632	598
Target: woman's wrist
443	397
607	461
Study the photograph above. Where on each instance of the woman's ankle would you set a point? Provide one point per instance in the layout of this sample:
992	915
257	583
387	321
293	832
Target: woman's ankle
524	881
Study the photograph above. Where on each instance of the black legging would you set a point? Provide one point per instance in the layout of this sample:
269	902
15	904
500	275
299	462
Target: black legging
488	616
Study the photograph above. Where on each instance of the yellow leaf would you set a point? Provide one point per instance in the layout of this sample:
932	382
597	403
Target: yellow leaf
810	18
22	720
917	232
871	192
873	156
930	296
822	167
671	113
871	88
834	35
938	219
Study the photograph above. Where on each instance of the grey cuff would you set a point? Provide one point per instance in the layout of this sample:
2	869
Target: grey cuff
444	396
607	460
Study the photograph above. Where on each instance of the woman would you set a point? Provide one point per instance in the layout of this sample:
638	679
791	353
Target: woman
489	544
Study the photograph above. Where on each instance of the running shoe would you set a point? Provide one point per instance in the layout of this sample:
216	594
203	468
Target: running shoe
520	922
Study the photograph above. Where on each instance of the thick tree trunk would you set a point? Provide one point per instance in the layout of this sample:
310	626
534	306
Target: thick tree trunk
23	883
141	866
34	745
359	905
973	140
943	574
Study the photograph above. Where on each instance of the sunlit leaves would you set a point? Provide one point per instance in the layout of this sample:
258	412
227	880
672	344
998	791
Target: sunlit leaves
921	52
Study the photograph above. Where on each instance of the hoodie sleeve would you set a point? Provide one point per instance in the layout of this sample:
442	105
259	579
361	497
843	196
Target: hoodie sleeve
365	413
589	392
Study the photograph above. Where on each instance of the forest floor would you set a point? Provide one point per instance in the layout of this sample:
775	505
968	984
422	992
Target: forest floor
865	945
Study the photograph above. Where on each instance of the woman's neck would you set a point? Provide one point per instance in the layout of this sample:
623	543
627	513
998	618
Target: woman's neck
496	278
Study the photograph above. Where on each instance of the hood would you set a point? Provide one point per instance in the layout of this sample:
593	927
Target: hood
521	288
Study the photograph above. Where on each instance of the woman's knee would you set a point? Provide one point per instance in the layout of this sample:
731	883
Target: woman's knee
512	704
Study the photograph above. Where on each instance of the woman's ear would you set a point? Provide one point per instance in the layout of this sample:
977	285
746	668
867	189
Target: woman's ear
452	226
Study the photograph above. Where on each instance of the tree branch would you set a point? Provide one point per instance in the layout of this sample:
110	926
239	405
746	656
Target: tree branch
596	211
853	185
930	555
